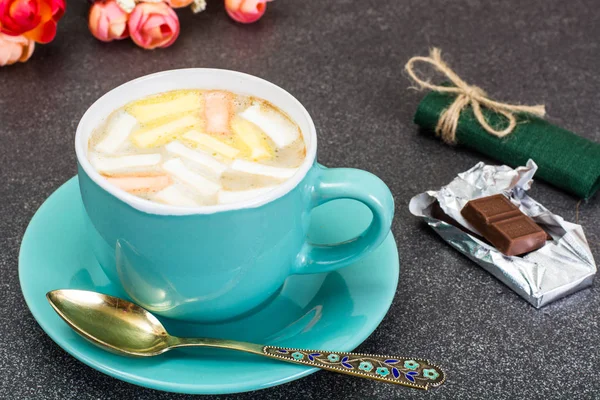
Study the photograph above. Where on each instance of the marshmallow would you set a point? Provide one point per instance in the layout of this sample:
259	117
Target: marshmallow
210	143
174	196
252	136
228	197
201	184
281	130
217	109
263	170
113	164
148	112
151	183
155	136
197	157
118	130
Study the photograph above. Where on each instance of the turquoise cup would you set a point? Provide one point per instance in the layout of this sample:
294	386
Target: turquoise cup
215	263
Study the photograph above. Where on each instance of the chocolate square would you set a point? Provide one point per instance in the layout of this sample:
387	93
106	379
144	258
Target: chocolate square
517	235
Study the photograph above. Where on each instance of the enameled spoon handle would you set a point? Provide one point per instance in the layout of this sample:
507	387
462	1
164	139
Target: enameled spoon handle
412	372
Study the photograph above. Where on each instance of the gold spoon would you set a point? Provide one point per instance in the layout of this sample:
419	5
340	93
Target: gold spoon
125	328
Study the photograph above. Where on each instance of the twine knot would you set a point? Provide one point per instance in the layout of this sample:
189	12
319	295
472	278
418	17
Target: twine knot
466	95
474	92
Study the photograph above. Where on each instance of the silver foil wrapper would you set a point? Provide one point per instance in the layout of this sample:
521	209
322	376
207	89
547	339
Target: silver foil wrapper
563	266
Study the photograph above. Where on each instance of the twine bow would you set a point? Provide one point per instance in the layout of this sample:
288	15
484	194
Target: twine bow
465	95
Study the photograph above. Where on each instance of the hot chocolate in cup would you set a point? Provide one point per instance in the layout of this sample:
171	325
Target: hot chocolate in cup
211	260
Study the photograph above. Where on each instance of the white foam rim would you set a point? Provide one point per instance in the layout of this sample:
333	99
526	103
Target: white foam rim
183	79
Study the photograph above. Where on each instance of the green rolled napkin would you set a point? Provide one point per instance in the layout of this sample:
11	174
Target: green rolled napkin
564	159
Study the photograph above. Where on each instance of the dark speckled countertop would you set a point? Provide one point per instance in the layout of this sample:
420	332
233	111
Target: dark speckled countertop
343	60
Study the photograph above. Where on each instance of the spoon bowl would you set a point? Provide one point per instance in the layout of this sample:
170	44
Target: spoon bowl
115	324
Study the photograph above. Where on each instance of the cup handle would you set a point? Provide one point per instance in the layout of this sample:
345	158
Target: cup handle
355	184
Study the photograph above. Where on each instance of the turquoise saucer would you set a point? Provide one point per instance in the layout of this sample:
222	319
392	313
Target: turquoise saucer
332	311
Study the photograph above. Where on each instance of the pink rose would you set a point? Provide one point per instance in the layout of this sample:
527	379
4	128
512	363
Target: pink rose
246	11
153	25
107	21
15	49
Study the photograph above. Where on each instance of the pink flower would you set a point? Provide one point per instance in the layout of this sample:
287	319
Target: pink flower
153	25
15	49
35	19
246	11
107	21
